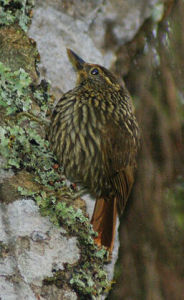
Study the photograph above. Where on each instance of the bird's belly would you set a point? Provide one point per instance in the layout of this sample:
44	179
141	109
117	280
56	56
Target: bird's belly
81	157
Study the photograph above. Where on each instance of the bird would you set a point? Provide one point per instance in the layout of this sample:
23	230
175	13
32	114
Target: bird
95	137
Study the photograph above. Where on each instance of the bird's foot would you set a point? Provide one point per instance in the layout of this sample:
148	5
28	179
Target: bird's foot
98	242
64	192
80	193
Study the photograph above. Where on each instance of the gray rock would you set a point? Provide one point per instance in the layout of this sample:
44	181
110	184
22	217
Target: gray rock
83	26
15	291
35	247
54	32
7	266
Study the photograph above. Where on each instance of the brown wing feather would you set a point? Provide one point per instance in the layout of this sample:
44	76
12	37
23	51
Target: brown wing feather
119	161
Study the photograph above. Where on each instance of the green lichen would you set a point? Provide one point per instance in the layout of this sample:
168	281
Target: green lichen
23	146
16	11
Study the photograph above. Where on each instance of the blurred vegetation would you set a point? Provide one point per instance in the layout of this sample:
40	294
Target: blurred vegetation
152	243
175	197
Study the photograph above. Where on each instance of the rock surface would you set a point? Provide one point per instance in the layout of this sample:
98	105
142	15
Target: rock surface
31	247
91	28
54	31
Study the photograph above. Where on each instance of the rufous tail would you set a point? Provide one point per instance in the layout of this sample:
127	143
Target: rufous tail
104	222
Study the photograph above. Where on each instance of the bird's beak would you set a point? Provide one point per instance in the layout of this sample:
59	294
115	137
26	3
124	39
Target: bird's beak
76	61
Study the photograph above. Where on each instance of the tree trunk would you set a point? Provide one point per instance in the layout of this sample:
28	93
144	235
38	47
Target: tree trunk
151	265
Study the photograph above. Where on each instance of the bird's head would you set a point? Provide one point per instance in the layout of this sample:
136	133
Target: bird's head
92	72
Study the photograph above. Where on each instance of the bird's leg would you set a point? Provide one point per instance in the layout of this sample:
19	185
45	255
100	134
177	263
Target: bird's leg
63	192
31	116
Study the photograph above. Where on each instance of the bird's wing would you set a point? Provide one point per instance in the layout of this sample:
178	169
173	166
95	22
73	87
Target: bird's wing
119	161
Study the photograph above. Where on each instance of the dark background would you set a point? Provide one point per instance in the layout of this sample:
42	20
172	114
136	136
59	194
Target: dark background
151	264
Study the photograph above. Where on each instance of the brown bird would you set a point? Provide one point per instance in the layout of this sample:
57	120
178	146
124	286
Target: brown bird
95	137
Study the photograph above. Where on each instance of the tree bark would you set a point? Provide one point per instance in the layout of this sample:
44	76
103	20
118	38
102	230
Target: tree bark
150	263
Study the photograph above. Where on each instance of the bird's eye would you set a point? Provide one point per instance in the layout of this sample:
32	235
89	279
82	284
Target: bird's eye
94	71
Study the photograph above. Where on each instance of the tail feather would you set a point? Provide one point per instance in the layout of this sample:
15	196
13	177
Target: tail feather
104	221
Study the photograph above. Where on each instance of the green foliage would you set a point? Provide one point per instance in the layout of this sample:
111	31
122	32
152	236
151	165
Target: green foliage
16	11
23	146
